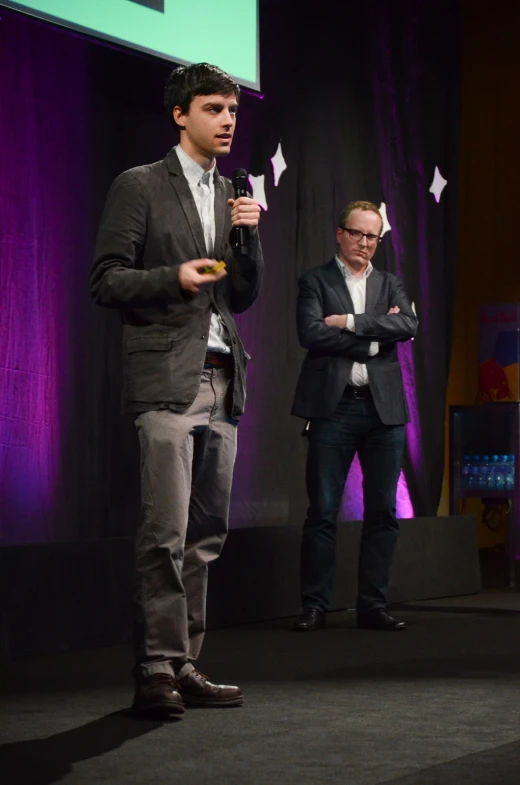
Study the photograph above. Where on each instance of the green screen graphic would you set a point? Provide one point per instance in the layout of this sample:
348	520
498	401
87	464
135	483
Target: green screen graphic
222	32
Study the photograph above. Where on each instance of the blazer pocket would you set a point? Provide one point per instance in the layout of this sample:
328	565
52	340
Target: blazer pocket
148	369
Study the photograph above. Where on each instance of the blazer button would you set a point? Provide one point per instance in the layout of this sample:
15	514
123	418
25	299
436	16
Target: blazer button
202	337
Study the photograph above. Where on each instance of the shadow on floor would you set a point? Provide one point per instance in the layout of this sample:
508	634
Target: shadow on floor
48	760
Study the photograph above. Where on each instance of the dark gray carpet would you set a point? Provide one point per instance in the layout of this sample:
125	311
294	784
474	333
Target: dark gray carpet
438	704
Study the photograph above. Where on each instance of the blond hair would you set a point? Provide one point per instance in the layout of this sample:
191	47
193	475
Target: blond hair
351	206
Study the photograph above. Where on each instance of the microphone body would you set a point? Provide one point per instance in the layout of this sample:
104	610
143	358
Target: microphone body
240	182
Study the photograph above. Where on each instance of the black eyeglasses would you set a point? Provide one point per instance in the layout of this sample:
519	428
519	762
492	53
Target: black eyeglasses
356	235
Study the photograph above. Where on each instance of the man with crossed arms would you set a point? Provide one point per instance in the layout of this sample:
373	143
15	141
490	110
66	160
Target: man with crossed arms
350	318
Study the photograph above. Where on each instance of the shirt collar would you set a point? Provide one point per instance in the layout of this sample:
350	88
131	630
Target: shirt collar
347	272
193	172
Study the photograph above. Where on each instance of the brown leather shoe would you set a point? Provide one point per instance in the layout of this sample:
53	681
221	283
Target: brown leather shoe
197	690
158	696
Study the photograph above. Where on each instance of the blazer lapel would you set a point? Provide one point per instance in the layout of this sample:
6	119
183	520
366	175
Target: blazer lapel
220	213
374	282
187	202
336	281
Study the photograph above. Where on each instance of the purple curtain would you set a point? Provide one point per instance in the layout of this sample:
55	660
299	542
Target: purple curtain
42	231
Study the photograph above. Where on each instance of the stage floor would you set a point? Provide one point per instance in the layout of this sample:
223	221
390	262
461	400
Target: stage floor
488	601
438	704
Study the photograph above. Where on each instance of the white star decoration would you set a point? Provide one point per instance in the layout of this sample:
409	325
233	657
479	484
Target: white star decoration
386	225
415	312
438	185
278	164
258	189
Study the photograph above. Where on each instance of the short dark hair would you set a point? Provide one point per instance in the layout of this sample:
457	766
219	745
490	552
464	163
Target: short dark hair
187	81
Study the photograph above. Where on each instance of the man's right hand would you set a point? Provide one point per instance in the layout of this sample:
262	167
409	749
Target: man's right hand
394	309
192	279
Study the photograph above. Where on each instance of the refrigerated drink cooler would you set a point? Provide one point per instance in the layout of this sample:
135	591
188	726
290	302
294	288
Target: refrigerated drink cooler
484	463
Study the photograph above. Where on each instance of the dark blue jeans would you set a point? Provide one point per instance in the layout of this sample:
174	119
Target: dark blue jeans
333	442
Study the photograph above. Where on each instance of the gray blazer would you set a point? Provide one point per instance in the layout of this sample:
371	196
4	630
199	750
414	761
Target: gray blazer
332	351
150	226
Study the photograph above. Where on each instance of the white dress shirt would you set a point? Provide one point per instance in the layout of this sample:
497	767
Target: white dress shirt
202	187
357	287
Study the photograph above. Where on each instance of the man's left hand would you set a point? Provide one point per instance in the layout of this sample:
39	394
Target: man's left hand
337	320
244	211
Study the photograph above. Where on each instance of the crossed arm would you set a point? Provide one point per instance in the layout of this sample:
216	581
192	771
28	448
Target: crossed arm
399	324
317	336
331	335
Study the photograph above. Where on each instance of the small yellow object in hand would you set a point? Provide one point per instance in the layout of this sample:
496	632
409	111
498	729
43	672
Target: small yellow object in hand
213	270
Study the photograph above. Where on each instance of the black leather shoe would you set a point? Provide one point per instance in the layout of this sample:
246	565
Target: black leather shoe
311	620
379	619
158	696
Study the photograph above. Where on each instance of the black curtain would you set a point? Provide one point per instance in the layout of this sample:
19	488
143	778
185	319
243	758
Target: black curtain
366	101
364	98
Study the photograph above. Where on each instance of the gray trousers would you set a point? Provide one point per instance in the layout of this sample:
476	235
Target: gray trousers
187	465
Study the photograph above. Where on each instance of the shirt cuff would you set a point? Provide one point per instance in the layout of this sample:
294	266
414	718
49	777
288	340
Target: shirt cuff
374	348
350	323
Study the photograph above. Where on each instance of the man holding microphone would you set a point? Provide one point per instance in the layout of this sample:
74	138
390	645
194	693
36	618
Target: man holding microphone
172	255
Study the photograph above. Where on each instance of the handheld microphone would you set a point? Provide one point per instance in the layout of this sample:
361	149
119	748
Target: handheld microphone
239	181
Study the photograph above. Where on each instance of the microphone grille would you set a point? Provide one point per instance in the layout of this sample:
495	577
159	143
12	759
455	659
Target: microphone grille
239	176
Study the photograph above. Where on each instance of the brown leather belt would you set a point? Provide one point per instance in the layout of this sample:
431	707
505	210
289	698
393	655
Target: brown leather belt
353	393
219	359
